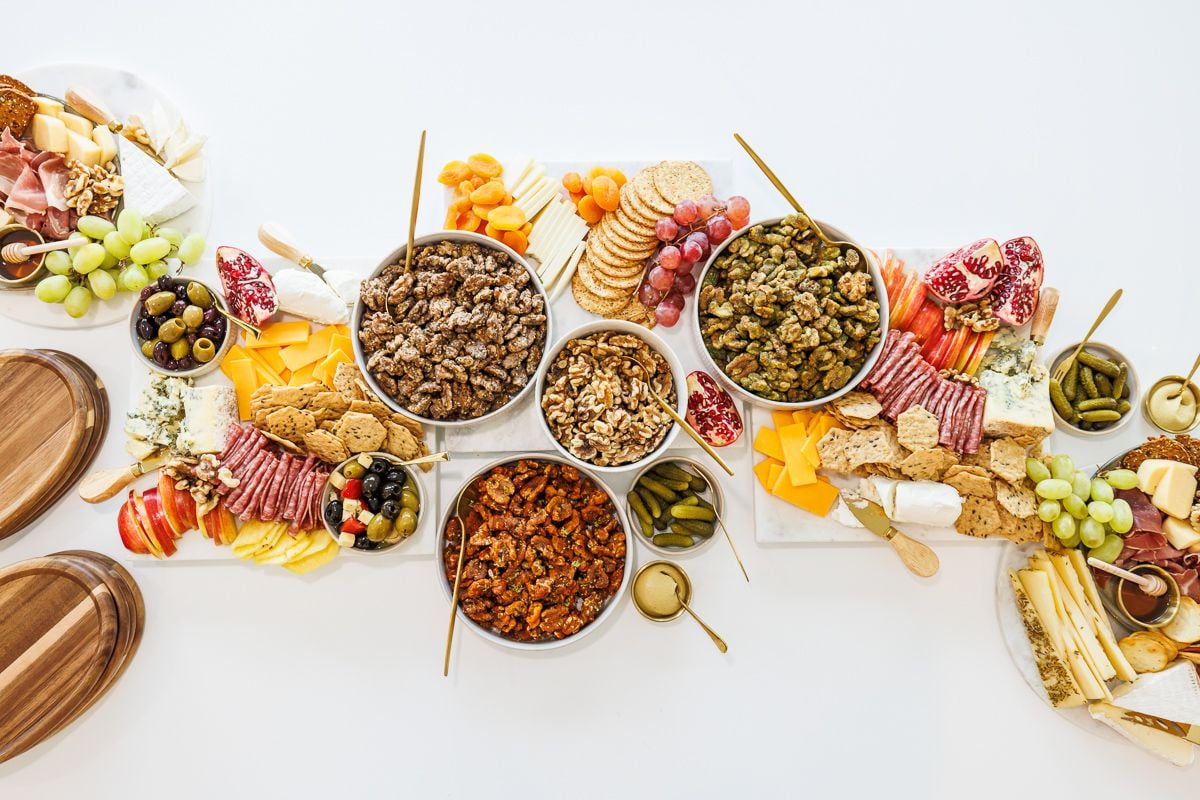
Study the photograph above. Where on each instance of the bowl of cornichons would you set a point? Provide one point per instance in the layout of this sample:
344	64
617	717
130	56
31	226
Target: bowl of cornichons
458	337
786	320
1099	393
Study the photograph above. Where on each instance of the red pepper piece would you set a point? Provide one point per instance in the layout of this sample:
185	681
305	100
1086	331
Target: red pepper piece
352	525
352	490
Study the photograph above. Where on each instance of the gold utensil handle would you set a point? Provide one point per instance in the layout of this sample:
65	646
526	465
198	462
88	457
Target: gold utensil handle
690	431
82	101
771	176
733	547
717	640
917	556
416	202
1047	305
429	459
102	484
1192	373
1112	302
246	326
280	241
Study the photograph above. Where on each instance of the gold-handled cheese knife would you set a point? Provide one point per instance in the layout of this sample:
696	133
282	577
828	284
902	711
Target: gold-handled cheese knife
917	556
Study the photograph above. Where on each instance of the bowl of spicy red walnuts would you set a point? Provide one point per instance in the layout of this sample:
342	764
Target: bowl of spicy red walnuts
547	552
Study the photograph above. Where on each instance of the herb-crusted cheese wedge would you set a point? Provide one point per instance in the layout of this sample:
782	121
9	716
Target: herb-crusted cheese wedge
1056	675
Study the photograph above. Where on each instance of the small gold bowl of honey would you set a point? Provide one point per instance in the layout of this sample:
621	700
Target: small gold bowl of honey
29	270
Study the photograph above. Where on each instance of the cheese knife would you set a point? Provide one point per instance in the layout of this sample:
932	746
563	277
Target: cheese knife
917	556
281	242
1180	729
1043	316
102	484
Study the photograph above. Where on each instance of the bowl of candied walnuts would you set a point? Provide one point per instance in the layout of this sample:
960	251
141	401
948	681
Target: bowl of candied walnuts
547	556
457	338
786	320
597	390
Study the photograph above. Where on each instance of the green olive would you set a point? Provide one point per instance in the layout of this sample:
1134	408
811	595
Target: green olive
193	317
148	347
354	470
406	523
203	350
159	302
179	349
172	330
198	293
409	500
379	528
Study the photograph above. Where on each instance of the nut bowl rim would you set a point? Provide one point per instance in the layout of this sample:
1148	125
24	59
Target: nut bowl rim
1133	381
231	336
328	489
397	255
610	605
776	405
718	500
658	344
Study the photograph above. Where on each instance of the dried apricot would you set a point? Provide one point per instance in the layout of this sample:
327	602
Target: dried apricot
526	228
461	204
586	184
468	221
577	196
485	165
596	172
606	192
590	210
490	194
572	182
453	173
507	201
507	218
517	241
465	187
616	175
494	232
481	211
451	222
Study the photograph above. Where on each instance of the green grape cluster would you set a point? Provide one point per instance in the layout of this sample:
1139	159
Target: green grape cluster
120	257
1081	509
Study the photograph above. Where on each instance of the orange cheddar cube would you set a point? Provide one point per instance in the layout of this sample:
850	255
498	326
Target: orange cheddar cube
792	439
766	441
816	498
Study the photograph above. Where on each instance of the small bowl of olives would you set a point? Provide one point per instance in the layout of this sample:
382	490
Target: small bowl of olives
371	502
177	329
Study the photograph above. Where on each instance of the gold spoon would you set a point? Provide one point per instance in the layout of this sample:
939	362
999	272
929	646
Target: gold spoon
412	227
1062	369
1186	380
683	423
717	640
783	190
462	549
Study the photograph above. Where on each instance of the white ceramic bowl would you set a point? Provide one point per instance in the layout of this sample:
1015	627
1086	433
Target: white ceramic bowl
677	373
751	397
716	496
1112	354
397	257
551	644
231	337
330	492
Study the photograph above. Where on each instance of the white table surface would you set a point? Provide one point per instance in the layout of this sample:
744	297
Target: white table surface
846	676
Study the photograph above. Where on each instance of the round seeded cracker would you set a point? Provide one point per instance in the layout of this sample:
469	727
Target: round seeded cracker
645	198
602	285
681	180
620	248
593	303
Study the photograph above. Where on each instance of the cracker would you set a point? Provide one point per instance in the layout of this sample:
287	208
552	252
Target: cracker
832	450
856	405
599	250
290	423
375	409
602	285
636	312
332	401
928	465
917	429
279	396
626	219
20	86
630	240
328	425
969	484
980	517
644	200
1006	458
874	446
676	181
1018	500
16	110
400	442
344	376
637	253
1018	530
361	432
593	303
413	426
325	446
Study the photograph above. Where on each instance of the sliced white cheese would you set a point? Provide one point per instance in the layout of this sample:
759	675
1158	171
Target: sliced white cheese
542	194
1180	533
512	172
1151	472
1164	745
76	123
49	133
532	176
1176	491
1172	694
150	188
1080	581
51	108
104	138
564	279
82	149
555	269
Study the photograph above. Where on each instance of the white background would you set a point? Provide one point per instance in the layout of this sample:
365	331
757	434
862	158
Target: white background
904	124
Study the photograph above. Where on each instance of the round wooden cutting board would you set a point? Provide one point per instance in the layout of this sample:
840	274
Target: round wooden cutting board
48	419
58	631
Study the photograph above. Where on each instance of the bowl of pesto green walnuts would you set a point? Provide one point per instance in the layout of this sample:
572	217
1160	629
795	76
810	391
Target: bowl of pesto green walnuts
1099	393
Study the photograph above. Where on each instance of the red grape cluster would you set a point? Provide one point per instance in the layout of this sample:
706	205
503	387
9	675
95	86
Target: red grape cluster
688	236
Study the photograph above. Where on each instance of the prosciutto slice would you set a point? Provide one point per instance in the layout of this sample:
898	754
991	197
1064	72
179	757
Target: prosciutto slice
11	167
53	174
1146	518
27	194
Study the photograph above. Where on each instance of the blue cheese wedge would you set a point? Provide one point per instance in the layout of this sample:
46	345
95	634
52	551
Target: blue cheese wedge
149	187
155	418
1018	390
208	414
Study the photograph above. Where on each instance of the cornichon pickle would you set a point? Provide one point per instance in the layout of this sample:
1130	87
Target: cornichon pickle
1070	385
694	526
699	484
690	500
673	485
671	473
639	508
1058	398
658	489
680	511
1123	406
1098	364
1103	384
1087	382
1096	404
1118	384
1104	415
647	528
673	540
651	501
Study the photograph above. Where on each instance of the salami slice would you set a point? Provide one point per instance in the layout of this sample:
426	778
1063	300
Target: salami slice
253	480
243	486
975	434
292	506
947	433
270	502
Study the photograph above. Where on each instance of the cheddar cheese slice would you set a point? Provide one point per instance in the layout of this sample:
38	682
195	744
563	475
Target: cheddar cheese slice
763	471
766	441
245	381
279	334
816	498
792	439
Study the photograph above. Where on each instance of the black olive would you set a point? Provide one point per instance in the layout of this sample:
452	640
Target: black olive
146	329
160	319
333	513
146	292
162	354
210	314
379	466
178	307
163	284
371	485
372	502
390	509
187	362
361	542
181	292
397	475
209	331
390	491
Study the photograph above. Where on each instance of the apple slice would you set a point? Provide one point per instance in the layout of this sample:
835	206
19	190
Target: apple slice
127	527
186	505
166	495
927	322
948	351
219	525
159	525
981	347
142	518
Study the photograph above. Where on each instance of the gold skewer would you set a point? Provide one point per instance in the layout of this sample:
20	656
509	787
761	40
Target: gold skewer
412	228
732	547
462	549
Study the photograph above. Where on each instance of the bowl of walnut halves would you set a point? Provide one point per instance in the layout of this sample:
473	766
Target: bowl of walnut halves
596	393
787	321
459	337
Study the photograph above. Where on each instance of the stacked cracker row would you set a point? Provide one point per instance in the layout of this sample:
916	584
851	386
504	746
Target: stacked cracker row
618	247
